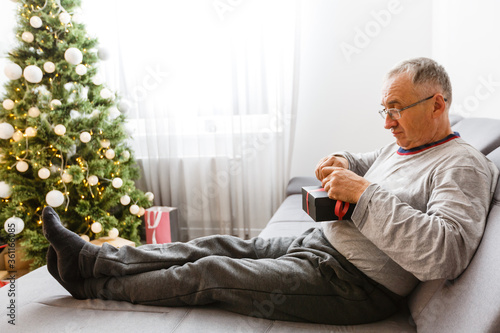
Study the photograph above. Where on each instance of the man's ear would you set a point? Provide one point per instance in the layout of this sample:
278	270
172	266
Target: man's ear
439	106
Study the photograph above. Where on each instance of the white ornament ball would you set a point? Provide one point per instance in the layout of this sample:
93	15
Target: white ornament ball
77	17
93	180
49	67
6	131
126	155
106	93
5	190
27	37
69	86
55	103
150	196
134	209
13	71
73	114
97	80
103	53
81	69
117	182
85	238
114	112
54	198
95	113
22	166
60	129
113	233
8	104
36	22
64	18
31	132
73	55
34	112
85	137
17	136
142	211
96	227
14	225
33	74
105	143
125	200
66	177
110	154
44	173
124	106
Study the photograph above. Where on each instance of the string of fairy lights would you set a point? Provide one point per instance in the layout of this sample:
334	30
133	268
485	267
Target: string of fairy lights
26	158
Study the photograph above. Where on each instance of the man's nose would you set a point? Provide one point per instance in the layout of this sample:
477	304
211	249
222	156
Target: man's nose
389	122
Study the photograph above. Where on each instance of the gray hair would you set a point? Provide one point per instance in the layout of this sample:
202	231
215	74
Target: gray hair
425	74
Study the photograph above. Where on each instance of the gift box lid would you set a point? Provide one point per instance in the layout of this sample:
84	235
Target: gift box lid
318	195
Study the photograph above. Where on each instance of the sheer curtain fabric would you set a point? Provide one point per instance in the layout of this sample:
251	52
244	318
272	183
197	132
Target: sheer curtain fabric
211	89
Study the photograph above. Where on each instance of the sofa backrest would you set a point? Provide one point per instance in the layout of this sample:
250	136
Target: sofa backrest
471	303
454	118
482	133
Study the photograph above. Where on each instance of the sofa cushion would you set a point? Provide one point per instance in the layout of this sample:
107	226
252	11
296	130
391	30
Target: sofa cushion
291	211
471	303
494	156
286	229
482	133
289	219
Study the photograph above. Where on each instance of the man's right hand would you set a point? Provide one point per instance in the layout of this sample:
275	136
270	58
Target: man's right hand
329	161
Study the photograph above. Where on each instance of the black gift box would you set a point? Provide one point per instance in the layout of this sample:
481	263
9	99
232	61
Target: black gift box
317	204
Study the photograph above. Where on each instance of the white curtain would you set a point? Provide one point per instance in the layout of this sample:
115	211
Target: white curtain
212	94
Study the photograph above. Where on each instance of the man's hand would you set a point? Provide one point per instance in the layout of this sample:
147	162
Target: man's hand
342	184
329	161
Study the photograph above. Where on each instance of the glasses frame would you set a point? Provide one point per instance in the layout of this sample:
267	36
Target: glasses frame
392	112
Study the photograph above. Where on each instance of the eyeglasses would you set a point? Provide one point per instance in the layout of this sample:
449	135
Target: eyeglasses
395	114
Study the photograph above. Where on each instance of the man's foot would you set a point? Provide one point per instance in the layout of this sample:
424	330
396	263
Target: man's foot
66	244
75	288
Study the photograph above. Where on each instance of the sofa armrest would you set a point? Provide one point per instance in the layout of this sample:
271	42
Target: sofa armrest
296	183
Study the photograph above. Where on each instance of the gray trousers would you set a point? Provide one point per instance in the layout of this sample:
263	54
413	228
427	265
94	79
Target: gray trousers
295	279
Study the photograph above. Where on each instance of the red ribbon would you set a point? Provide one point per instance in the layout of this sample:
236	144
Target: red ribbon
307	197
341	207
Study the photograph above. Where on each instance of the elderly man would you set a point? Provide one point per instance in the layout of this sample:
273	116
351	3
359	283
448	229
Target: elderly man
421	206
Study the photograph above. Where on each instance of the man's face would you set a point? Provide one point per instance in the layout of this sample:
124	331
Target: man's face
414	128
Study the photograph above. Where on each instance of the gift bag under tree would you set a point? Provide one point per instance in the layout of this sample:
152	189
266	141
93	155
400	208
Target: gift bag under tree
161	225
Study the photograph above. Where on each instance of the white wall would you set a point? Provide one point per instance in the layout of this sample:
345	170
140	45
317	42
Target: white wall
339	93
466	40
339	98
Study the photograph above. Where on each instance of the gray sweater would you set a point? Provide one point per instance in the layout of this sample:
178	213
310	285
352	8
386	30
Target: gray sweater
423	215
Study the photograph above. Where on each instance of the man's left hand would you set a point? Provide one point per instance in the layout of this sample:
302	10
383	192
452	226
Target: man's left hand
345	185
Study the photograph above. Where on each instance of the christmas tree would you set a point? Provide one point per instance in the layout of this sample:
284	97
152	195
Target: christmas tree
62	137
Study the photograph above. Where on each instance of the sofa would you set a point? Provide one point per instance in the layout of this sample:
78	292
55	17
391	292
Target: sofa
470	303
